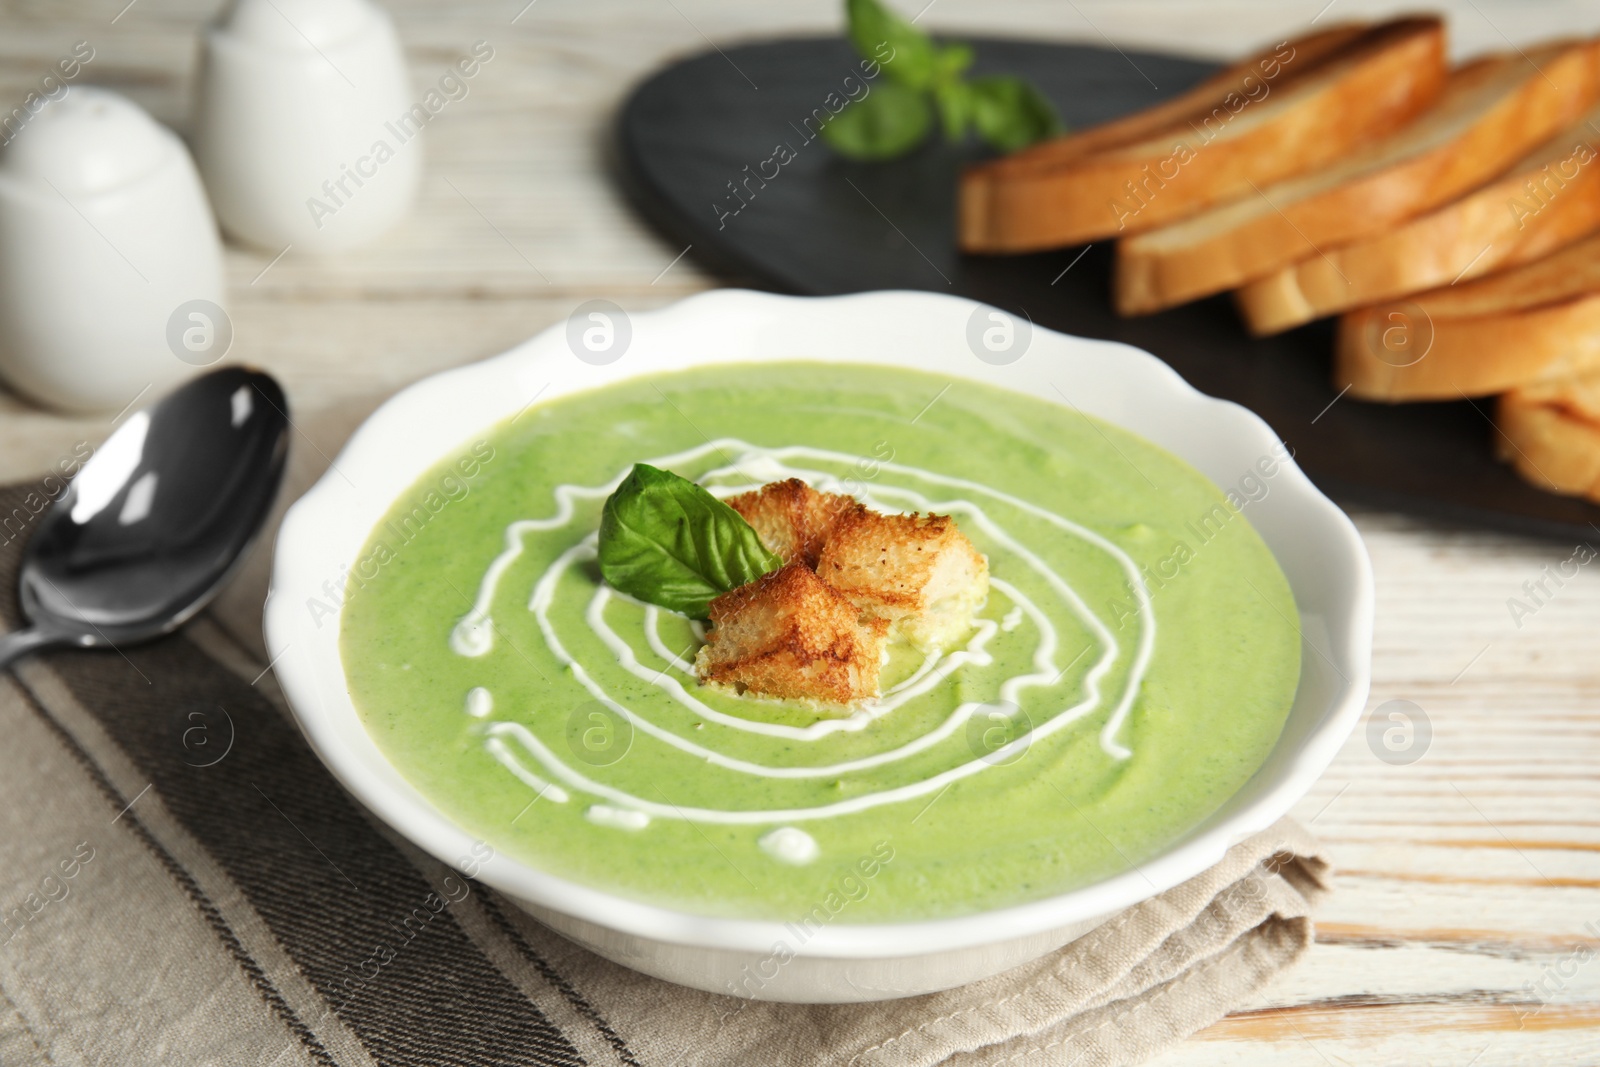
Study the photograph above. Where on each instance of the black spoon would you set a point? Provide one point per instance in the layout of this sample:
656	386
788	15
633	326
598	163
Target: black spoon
158	517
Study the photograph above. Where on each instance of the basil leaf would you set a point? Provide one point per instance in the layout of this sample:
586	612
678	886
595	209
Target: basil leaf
953	60
905	52
666	541
1010	114
924	79
889	121
954	100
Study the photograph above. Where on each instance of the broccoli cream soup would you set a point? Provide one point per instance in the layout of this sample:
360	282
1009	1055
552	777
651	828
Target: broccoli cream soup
1131	668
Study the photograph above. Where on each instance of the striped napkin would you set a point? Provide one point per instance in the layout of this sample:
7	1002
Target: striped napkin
182	883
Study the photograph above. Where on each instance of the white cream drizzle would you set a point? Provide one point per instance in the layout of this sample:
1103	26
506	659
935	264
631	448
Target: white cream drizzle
652	634
616	818
473	636
496	748
789	844
480	702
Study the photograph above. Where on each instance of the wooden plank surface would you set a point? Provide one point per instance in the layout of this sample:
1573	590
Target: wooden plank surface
1466	923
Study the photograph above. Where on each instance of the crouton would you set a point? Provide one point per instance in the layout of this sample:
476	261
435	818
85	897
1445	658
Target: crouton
791	518
917	572
787	635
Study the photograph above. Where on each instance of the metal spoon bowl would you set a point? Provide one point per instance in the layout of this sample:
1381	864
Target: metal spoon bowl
159	517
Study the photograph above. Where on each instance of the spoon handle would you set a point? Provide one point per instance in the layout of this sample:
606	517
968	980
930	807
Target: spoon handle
19	643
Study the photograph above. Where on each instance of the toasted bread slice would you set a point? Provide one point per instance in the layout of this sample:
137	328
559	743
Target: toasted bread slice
1536	323
1549	199
1492	112
918	572
1288	111
791	518
788	635
1204	105
1550	434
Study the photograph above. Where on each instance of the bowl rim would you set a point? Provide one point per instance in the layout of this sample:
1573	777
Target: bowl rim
325	714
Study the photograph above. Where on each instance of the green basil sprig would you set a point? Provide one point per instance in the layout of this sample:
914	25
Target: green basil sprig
666	541
924	79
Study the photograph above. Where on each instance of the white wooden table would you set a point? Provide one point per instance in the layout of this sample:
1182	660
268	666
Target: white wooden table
1466	924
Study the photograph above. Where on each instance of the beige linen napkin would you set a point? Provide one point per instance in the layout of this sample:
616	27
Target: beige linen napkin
181	882
1149	977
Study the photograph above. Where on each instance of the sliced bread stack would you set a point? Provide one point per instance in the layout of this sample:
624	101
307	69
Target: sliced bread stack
1451	218
1550	434
1536	324
1548	199
1303	105
1492	113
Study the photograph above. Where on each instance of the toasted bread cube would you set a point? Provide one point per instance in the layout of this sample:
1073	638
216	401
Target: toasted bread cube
917	572
787	635
791	518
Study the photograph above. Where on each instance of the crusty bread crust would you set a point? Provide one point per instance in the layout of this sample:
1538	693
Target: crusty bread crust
1549	199
816	629
1327	95
1492	112
886	560
791	518
1573	271
918	572
788	635
1191	107
1536	323
1550	434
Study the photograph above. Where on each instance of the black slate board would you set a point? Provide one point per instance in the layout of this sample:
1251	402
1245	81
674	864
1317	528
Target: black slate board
825	225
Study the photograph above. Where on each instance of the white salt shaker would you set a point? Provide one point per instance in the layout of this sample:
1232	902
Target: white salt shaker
304	125
107	247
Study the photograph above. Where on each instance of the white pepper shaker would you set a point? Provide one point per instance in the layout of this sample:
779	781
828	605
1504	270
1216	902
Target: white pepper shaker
305	129
106	242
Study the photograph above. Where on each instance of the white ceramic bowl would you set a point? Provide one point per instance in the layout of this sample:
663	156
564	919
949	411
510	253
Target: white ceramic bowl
1316	545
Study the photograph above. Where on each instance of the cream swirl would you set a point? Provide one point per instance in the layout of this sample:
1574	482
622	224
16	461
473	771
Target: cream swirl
473	636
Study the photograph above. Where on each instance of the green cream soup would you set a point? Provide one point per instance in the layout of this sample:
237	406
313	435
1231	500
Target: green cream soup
1131	669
